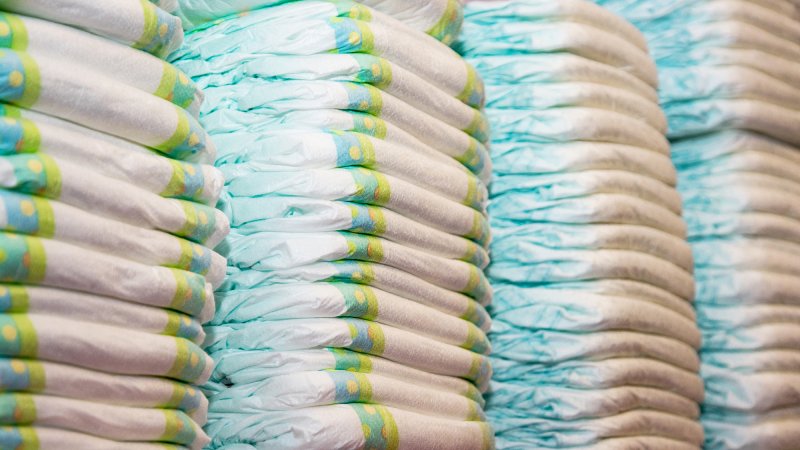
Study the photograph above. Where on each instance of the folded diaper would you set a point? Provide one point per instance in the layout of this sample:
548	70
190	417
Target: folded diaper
52	86
40	38
139	24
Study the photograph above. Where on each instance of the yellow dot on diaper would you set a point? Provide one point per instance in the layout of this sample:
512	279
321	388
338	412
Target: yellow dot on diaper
354	38
360	297
9	333
15	78
355	152
354	12
190	170
356	275
26	206
193	139
376	70
369	123
35	165
190	392
367	431
202	217
187	321
179	425
369	409
163	29
4	29
18	366
384	432
352	387
3	291
188	294
10	121
194	360
377	193
183	79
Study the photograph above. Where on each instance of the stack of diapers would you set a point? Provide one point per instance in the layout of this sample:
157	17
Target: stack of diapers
594	336
354	152
730	86
438	18
107	226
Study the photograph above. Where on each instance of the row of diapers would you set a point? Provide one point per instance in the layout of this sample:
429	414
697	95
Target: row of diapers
107	229
352	314
593	335
730	85
438	18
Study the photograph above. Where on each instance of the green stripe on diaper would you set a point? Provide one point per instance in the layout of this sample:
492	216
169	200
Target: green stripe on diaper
22	259
189	361
13	299
367	337
150	20
17	409
190	293
168	78
360	301
351	387
178	428
31	137
13	33
181	134
32	82
445	28
378	426
351	361
17	336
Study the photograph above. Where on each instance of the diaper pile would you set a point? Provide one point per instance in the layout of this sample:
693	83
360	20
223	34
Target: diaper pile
107	229
730	86
354	155
594	336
